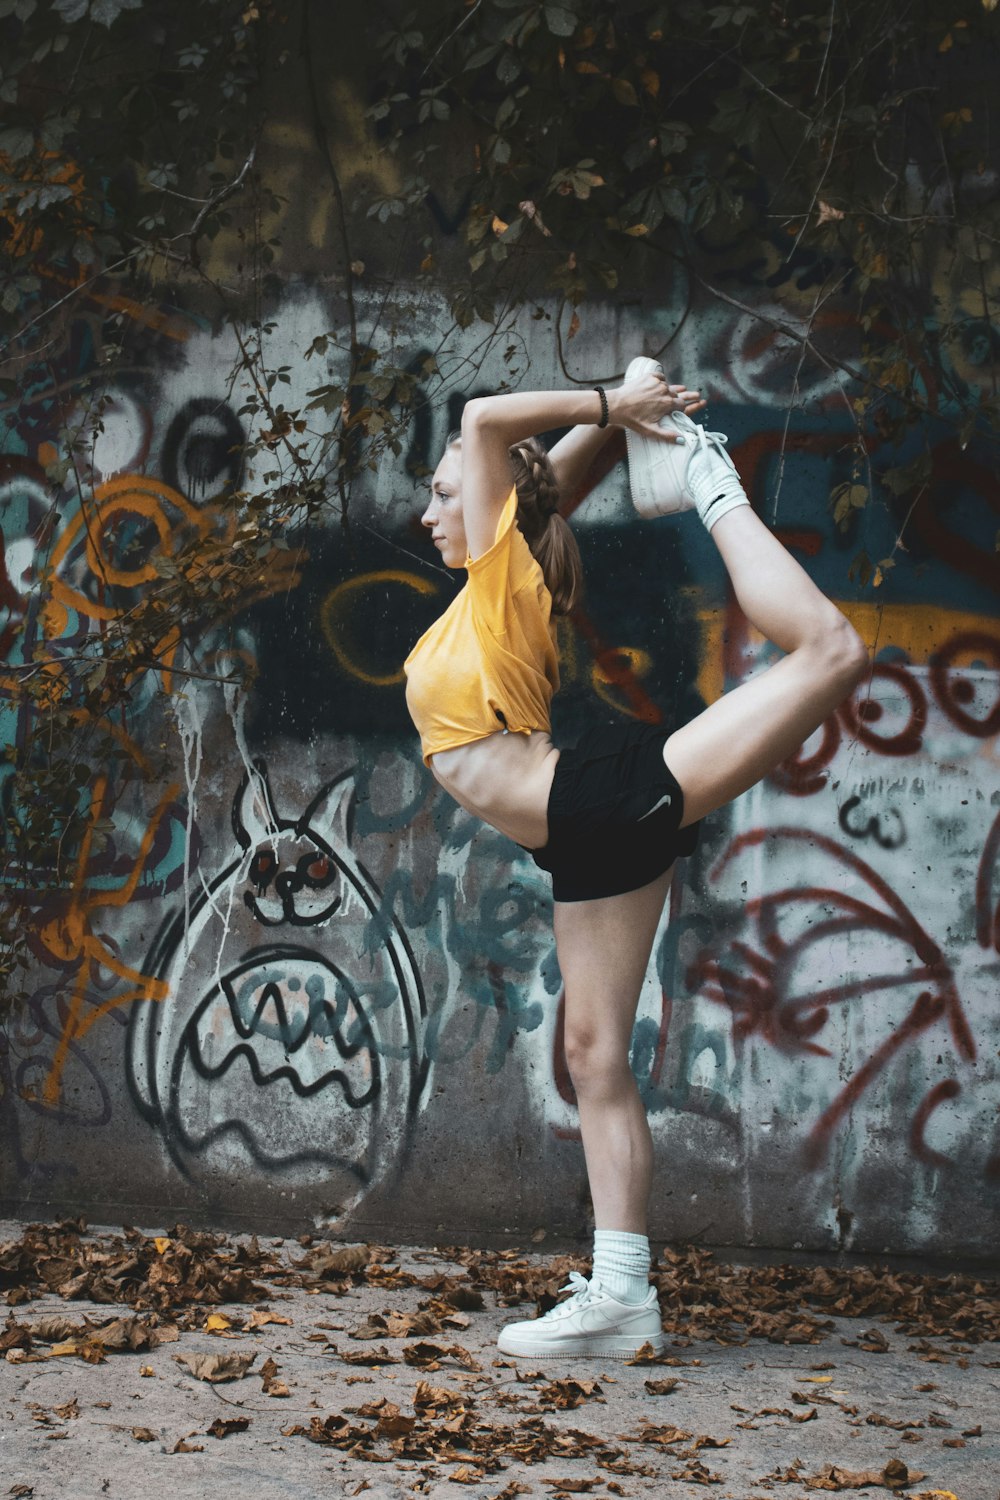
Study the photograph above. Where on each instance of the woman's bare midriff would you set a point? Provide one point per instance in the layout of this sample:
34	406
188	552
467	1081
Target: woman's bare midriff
505	780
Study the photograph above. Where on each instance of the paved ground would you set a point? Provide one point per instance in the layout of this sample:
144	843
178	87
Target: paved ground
864	1409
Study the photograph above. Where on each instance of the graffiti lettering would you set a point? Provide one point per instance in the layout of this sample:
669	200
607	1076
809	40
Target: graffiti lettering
872	829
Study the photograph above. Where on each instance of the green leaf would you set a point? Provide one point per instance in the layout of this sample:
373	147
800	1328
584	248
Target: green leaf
16	142
905	478
509	66
559	20
106	12
480	58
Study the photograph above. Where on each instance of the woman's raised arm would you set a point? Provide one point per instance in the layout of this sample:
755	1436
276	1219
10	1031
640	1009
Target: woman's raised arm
573	456
491	425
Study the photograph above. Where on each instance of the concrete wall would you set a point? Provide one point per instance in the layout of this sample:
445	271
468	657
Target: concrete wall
299	986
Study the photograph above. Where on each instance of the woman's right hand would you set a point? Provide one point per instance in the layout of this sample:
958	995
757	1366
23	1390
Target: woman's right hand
641	405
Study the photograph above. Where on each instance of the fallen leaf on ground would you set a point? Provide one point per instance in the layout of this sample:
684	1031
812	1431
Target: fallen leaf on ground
262	1315
428	1356
895	1476
696	1473
345	1261
564	1395
646	1355
143	1435
378	1356
374	1327
223	1427
219	1323
217	1367
661	1437
271	1385
433	1400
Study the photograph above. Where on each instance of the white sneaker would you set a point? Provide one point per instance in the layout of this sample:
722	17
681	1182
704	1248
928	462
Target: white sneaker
692	473
657	472
590	1322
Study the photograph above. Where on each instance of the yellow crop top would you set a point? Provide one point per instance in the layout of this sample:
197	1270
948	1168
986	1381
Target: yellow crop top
489	662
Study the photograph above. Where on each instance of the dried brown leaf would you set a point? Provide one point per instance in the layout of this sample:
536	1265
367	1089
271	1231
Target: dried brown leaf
217	1367
223	1427
895	1476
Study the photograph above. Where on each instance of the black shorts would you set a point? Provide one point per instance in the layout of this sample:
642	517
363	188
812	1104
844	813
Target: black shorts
614	814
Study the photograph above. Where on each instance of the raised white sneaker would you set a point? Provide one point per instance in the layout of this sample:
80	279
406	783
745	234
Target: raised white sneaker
657	471
693	472
589	1322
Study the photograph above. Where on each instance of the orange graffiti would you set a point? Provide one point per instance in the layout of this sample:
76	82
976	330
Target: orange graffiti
333	613
70	937
164	508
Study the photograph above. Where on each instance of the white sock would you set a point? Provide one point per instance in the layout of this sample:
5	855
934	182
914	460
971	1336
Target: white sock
721	507
621	1264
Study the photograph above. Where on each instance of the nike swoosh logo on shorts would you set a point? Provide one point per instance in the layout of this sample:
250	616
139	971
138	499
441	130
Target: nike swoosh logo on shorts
664	801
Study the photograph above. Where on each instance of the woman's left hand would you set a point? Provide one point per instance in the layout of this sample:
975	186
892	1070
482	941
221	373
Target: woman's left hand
641	405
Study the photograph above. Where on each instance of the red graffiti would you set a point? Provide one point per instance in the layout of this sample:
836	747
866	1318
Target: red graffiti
953	470
859	713
988	915
759	987
949	1088
953	691
802	775
862	716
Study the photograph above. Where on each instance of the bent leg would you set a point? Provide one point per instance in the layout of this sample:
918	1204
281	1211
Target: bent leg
603	948
753	728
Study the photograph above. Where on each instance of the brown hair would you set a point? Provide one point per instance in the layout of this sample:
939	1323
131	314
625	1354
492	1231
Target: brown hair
546	532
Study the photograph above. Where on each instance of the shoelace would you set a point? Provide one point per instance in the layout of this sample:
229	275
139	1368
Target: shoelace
582	1293
702	441
701	438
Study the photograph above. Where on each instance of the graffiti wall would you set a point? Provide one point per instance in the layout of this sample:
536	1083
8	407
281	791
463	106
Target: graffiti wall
292	984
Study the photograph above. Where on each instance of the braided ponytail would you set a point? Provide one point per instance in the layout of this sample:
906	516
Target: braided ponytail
546	532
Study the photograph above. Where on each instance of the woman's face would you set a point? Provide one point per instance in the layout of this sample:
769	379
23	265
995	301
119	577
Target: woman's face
443	516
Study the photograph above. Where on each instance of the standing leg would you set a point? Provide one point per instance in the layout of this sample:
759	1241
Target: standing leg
604	947
749	731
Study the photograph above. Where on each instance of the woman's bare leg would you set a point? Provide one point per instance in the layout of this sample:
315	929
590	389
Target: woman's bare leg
603	948
749	731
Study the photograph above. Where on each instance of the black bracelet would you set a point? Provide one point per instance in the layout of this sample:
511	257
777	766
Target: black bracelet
604	406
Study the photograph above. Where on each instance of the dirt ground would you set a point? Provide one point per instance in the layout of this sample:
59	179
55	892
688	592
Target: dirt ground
174	1363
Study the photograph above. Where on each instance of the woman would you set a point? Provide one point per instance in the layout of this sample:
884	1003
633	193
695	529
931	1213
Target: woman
608	817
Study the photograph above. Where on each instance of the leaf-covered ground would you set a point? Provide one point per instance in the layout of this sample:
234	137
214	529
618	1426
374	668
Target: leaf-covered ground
182	1361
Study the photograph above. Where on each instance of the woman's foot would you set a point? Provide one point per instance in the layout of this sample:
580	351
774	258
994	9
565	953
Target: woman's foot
657	470
694	472
590	1322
